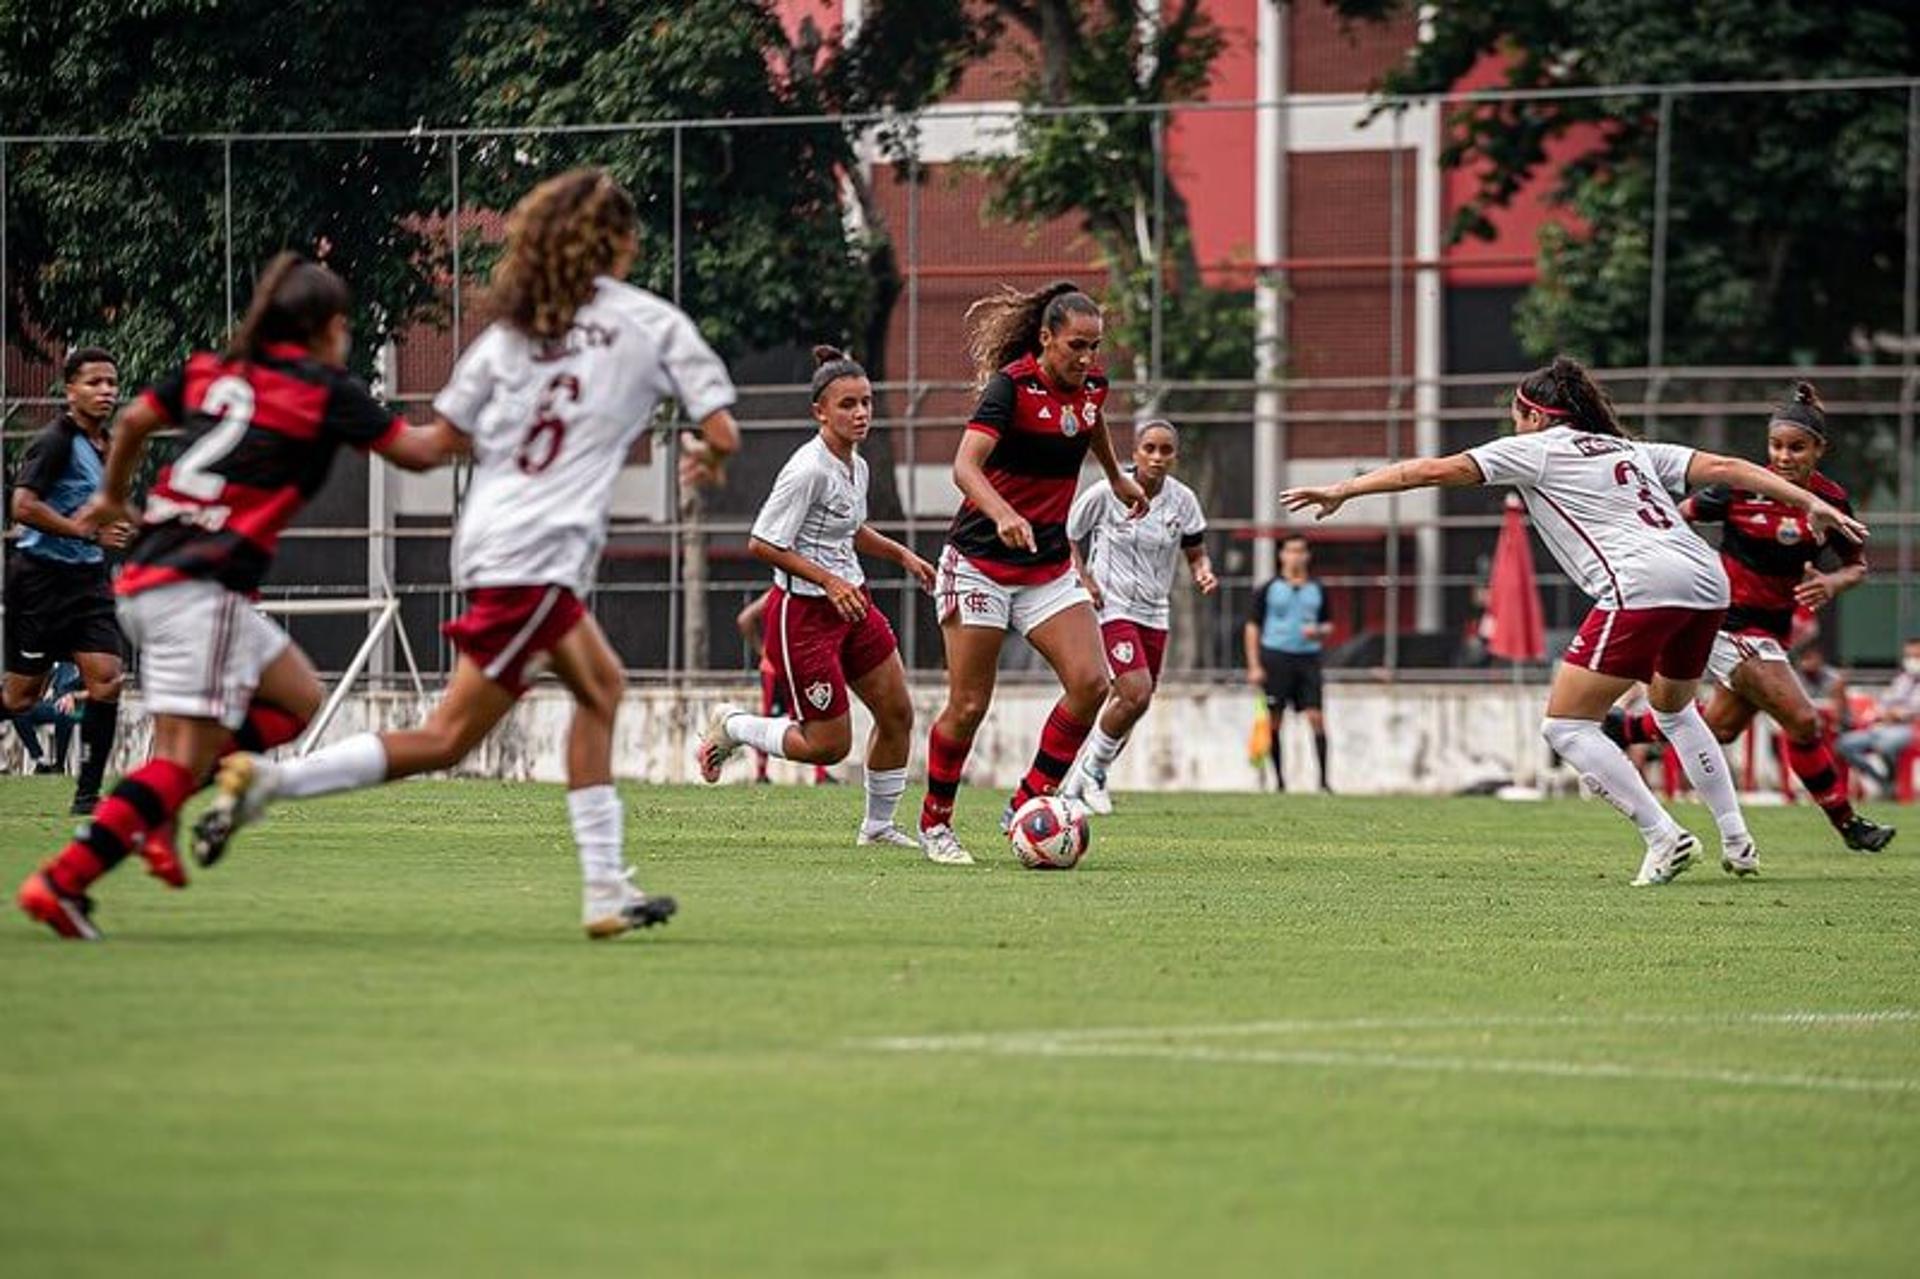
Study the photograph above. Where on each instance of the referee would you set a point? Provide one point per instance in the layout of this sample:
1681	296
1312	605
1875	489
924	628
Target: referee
59	598
1285	625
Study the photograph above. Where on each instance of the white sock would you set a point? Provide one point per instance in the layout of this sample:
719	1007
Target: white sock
355	764
1101	749
1686	731
1607	772
765	733
885	786
597	828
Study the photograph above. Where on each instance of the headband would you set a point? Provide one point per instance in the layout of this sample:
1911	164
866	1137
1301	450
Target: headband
1804	416
1542	409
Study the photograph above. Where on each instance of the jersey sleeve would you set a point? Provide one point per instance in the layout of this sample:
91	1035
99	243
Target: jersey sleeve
1257	604
168	396
695	375
1321	614
1193	531
784	512
45	461
1710	505
994	413
1511	459
1670	463
1084	516
355	417
470	387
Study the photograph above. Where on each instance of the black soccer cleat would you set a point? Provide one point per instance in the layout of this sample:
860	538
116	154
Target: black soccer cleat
83	805
1864	836
650	911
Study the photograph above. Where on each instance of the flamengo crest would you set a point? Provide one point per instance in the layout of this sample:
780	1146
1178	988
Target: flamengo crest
1069	424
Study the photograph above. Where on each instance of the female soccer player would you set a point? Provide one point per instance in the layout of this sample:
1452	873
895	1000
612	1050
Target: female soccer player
1006	565
1129	573
1775	566
262	422
549	399
824	635
1602	503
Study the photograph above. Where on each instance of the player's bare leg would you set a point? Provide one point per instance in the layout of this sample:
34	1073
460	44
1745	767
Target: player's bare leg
1776	690
973	664
884	692
1087	779
1070	642
244	781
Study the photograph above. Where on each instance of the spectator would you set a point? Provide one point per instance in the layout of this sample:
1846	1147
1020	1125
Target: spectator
61	708
1875	749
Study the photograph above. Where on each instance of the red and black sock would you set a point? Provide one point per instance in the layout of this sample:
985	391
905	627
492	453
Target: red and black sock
1812	762
145	799
1060	741
266	727
946	759
1641	730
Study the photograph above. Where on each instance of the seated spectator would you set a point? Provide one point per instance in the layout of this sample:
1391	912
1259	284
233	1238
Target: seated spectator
61	707
1874	749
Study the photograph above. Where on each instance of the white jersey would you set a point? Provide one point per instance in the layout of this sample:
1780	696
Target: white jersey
551	424
1132	561
817	504
1604	507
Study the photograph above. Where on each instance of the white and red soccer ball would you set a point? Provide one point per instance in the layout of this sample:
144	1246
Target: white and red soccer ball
1049	833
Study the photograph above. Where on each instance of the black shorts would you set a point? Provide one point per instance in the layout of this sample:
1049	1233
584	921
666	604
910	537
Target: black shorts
1293	679
55	610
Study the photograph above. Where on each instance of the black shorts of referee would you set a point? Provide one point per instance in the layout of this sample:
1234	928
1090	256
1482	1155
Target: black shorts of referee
1292	680
55	610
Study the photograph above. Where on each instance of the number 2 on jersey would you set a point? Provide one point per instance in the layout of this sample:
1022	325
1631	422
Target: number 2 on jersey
1628	475
549	430
230	399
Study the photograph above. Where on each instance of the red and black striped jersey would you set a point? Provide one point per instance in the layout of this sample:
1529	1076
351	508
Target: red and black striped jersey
1041	433
260	439
1766	548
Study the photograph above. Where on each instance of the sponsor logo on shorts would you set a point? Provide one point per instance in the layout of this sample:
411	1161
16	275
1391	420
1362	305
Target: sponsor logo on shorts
820	694
1579	642
1123	652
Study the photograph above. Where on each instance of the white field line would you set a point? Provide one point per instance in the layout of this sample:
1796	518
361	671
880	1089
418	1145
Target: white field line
1165	1044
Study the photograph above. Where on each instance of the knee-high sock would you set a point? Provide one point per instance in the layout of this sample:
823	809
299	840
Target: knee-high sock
354	764
1687	732
1103	749
1320	753
598	826
146	799
1813	763
946	760
884	786
765	733
1608	773
97	724
1060	740
266	727
1273	753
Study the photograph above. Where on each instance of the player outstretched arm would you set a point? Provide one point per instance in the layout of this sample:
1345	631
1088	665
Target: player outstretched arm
703	457
1456	471
131	428
842	594
1125	487
422	448
870	541
1822	518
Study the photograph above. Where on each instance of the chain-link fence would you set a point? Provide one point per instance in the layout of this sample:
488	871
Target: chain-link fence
1298	327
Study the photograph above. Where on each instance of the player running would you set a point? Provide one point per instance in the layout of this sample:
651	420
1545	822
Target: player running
550	399
1603	504
1128	570
824	634
1006	565
1775	566
262	424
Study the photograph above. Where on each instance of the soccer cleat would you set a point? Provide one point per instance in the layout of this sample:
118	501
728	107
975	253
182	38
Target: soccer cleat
1667	860
243	785
1006	818
1740	857
612	907
157	850
1093	791
942	847
68	914
83	805
1615	727
888	836
1864	836
716	746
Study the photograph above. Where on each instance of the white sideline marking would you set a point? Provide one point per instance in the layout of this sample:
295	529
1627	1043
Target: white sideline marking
1165	1043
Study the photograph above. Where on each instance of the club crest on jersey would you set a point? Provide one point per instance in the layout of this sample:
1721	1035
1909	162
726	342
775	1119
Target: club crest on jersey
1787	533
1123	652
1069	424
820	694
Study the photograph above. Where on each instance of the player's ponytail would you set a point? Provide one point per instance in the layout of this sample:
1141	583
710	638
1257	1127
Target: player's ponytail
1565	393
562	236
1804	410
830	365
293	301
1003	326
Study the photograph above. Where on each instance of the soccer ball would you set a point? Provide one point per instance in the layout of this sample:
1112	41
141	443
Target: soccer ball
1049	833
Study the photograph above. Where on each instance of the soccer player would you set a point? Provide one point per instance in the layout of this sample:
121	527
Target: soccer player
1603	504
59	596
262	423
824	634
1285	628
1774	566
1128	570
1006	565
549	399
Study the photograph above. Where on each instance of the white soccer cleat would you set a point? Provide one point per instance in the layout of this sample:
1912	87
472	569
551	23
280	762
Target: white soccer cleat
1093	791
716	745
609	907
244	785
942	847
1740	857
1667	860
888	836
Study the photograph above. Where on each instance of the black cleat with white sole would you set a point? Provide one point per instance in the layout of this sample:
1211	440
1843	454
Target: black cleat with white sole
1864	836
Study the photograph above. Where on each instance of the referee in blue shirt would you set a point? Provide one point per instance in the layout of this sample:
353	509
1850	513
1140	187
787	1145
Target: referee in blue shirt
59	596
1285	626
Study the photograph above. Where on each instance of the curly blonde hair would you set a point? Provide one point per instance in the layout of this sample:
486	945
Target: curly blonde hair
562	234
1003	326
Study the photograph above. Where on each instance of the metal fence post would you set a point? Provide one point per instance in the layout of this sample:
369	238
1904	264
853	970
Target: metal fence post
1910	322
1157	287
679	505
1657	285
910	609
226	212
1396	339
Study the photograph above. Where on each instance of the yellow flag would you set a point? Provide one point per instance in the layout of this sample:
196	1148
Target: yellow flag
1260	736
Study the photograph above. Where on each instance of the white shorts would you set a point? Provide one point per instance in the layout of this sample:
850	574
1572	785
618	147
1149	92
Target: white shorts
980	601
202	650
1729	650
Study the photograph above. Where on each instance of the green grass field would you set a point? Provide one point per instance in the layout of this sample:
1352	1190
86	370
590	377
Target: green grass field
1249	1036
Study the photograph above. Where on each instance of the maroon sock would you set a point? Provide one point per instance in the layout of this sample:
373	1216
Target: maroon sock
1812	763
1060	741
145	799
946	759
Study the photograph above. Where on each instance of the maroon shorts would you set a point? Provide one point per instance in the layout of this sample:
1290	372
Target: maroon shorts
1639	643
1133	647
816	653
509	632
